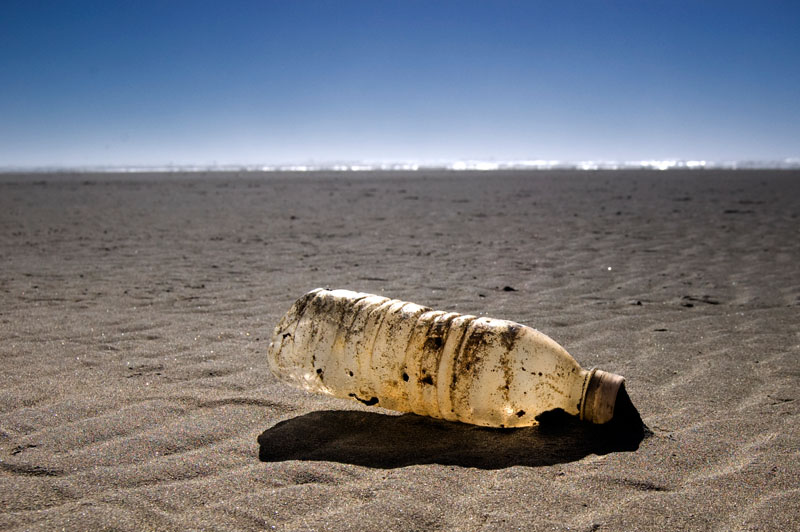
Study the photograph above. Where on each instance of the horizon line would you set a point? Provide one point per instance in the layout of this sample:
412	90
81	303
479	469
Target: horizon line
790	163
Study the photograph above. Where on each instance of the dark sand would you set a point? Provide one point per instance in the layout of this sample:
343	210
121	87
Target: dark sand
136	310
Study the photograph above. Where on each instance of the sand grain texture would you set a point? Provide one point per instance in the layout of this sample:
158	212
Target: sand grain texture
135	312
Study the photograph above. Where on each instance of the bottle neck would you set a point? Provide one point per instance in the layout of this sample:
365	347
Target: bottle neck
600	396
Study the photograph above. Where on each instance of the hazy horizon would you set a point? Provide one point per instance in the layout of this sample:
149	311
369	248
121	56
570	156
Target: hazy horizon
277	84
407	166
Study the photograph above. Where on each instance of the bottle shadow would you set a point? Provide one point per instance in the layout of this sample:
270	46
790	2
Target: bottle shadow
385	441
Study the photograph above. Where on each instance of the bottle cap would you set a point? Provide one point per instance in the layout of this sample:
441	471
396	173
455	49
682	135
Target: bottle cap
600	396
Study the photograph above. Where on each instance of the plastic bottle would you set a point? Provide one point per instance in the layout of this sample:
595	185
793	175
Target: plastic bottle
406	357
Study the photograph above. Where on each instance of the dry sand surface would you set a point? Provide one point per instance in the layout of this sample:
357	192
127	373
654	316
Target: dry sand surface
136	311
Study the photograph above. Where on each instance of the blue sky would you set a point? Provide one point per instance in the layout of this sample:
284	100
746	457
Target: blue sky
281	82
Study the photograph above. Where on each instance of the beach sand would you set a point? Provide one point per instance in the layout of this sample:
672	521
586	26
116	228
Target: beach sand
136	312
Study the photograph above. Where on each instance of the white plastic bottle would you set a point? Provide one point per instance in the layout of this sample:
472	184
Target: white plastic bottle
409	358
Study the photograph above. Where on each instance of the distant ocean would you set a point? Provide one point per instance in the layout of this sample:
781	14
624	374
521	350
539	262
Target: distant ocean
465	165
